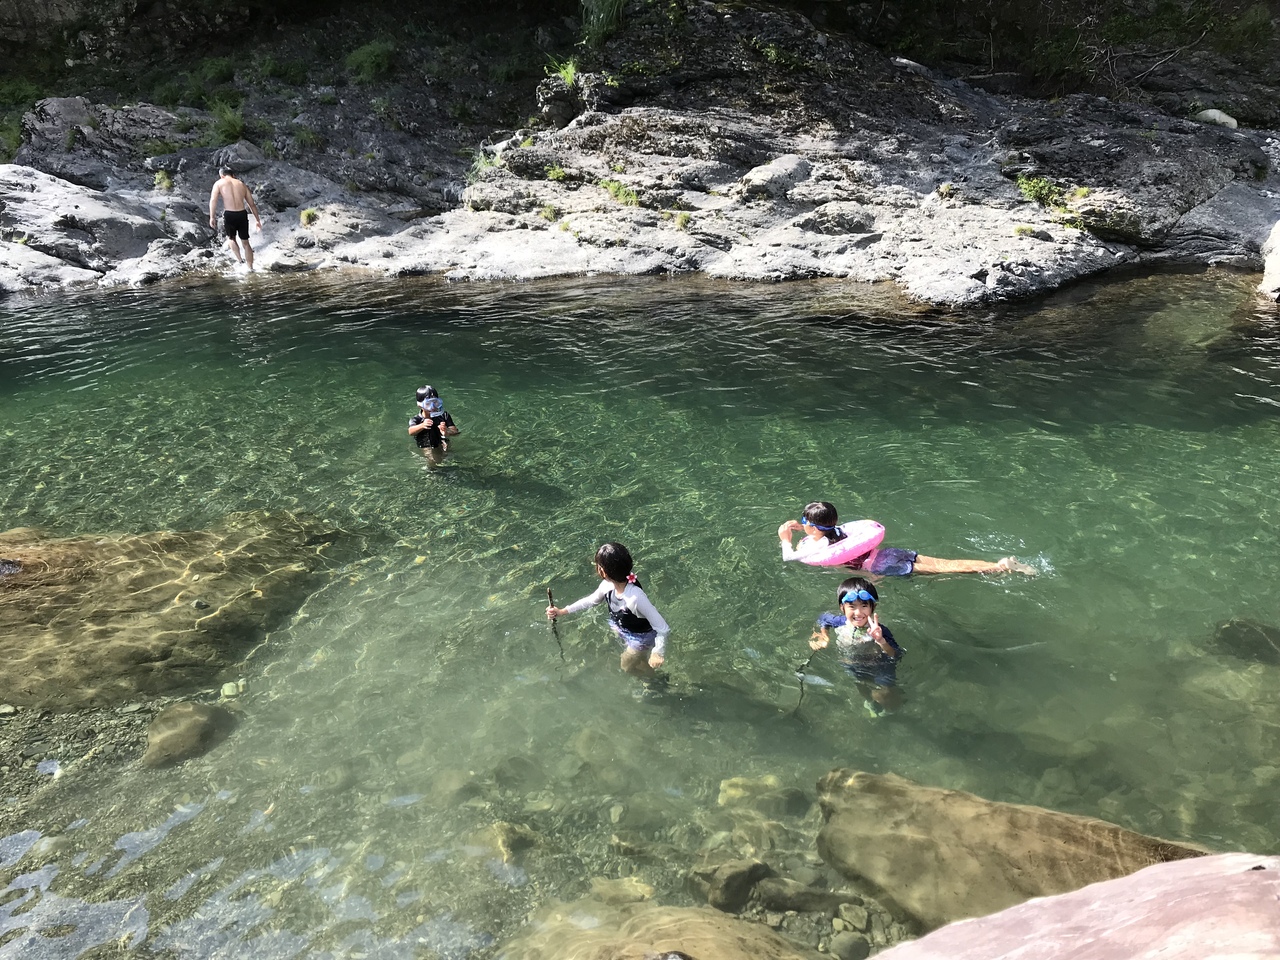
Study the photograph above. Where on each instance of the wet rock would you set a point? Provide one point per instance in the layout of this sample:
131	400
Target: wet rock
185	730
1249	640
740	791
506	839
642	931
854	916
849	946
623	890
934	856
519	773
455	786
782	893
732	883
1217	906
99	620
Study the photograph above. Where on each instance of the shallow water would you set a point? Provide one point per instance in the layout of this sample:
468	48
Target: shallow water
1122	438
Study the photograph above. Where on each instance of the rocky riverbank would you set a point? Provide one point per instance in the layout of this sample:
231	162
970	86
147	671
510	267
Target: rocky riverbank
746	144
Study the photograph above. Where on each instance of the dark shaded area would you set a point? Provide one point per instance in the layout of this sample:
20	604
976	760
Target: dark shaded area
1249	640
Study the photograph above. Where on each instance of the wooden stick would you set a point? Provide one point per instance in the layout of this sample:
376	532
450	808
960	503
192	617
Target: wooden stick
555	631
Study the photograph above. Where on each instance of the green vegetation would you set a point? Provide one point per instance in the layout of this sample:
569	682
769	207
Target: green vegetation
292	72
683	218
155	148
1041	191
566	70
228	123
556	173
1023	230
618	166
483	161
309	216
10	135
308	139
374	61
163	181
549	212
946	190
209	81
621	192
600	20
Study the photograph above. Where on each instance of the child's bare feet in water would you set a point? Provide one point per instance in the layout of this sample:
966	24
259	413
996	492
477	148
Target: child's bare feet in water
1014	565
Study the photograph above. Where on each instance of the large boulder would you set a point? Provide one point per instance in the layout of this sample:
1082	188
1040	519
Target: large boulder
86	228
642	931
1221	906
95	620
944	855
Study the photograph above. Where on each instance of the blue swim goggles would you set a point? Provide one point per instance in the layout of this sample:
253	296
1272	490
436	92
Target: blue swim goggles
858	594
803	522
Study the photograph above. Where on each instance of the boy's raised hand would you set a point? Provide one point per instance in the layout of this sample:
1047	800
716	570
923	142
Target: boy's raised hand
818	640
873	627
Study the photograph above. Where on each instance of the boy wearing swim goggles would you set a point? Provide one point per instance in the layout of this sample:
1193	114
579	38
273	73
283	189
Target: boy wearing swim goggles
865	646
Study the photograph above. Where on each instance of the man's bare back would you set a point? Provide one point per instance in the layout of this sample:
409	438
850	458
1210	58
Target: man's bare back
235	196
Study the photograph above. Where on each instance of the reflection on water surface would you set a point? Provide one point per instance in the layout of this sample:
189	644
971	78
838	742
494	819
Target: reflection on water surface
417	768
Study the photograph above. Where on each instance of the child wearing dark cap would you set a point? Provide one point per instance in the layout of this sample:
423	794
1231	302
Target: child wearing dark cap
432	425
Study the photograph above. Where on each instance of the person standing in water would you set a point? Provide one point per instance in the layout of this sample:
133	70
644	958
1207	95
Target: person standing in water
633	618
235	195
866	648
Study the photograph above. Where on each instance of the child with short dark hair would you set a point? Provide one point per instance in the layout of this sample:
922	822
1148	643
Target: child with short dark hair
866	648
633	618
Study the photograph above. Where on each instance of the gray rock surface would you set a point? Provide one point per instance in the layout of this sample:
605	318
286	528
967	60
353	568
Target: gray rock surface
1219	906
842	162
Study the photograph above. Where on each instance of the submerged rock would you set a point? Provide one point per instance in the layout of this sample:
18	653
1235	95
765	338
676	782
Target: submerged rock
97	620
185	730
1220	906
944	855
588	930
1249	640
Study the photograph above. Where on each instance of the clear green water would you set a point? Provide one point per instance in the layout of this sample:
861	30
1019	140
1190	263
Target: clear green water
1122	438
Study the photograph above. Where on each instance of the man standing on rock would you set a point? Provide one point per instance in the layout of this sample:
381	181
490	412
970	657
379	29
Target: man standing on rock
235	218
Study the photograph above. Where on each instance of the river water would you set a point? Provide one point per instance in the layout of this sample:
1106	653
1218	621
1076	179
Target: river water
420	762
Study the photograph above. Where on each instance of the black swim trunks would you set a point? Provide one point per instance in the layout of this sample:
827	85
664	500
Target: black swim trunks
236	223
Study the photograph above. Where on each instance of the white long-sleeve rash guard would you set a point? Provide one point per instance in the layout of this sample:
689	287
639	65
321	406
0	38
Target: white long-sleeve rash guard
635	600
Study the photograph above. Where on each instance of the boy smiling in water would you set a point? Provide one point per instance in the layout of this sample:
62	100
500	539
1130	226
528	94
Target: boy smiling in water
866	648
